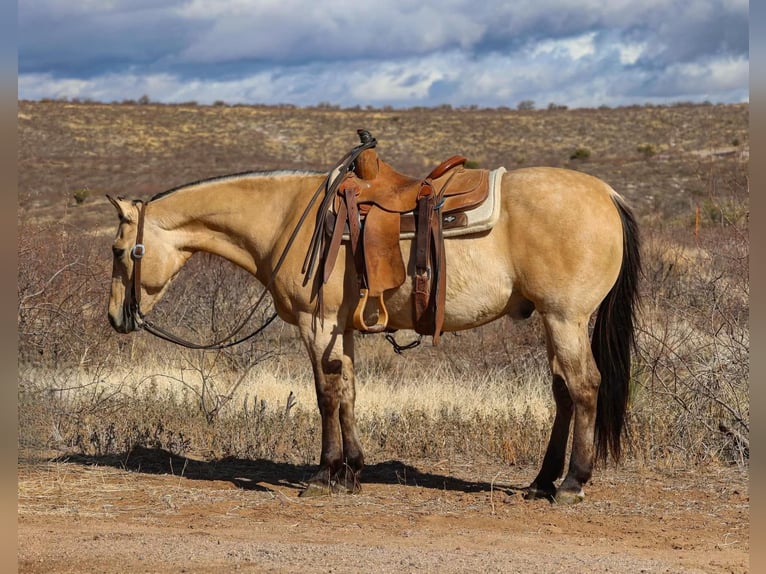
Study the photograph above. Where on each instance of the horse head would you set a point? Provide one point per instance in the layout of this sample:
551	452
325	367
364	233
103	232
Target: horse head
145	262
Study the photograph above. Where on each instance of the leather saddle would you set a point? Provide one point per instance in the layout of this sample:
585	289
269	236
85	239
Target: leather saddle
373	205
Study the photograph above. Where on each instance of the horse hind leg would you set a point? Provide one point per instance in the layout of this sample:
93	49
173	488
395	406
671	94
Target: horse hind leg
575	387
553	463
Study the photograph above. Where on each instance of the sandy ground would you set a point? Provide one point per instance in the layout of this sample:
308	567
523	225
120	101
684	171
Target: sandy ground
158	513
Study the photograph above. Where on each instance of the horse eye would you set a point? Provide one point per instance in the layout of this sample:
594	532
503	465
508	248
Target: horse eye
118	253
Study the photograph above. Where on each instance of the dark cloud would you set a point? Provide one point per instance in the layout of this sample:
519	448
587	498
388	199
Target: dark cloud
442	90
402	52
85	39
724	34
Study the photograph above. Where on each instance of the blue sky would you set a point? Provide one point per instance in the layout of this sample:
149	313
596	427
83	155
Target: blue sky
398	53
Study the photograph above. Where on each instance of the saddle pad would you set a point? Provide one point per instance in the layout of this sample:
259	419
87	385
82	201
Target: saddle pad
481	218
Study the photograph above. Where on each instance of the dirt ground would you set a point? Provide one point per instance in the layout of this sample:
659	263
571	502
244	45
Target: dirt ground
156	512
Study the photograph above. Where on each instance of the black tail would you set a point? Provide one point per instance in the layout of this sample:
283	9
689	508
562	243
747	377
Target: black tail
613	341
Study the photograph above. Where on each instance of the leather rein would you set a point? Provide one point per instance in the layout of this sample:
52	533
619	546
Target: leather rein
133	304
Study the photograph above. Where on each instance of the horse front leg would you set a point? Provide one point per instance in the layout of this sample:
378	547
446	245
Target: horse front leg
353	456
341	459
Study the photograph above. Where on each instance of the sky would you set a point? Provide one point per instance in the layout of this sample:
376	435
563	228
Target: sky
397	53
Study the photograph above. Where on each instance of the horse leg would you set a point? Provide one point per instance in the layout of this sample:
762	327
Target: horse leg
353	456
341	458
575	387
553	463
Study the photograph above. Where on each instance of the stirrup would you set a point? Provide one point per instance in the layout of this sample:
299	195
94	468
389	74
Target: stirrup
359	323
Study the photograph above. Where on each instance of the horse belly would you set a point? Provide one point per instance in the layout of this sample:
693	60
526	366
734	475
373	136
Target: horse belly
479	286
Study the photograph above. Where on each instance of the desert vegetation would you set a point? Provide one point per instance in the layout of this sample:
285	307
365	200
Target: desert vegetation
485	393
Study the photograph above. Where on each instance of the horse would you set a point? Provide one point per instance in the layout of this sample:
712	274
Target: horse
566	246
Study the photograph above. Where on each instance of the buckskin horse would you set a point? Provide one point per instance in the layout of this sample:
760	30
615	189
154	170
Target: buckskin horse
565	245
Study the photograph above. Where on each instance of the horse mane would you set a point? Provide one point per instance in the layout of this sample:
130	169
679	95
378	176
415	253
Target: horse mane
233	176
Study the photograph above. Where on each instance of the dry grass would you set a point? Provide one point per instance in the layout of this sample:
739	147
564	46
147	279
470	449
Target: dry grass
172	406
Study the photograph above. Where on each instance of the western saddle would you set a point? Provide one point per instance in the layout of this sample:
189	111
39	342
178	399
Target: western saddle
374	205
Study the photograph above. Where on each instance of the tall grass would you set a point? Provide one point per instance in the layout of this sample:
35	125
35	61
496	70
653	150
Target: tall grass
691	395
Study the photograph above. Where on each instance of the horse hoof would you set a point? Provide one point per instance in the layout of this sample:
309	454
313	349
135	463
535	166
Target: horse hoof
342	483
535	492
569	497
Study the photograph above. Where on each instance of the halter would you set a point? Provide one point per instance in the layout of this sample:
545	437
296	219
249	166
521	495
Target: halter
137	252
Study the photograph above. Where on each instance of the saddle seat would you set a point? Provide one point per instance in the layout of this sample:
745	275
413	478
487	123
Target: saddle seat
375	204
460	189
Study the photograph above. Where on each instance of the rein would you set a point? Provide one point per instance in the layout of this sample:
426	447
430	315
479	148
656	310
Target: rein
137	253
330	185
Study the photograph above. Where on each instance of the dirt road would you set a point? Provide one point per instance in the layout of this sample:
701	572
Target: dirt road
159	513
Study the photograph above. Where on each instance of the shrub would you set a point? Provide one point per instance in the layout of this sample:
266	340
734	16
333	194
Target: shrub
646	149
580	153
80	195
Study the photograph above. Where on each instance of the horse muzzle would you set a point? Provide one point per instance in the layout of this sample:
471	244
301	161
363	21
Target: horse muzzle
125	321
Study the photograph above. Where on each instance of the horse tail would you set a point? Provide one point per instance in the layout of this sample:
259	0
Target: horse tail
613	340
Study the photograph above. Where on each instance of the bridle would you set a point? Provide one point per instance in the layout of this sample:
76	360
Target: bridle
137	254
133	297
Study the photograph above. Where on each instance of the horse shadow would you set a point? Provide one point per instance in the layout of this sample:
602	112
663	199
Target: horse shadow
266	475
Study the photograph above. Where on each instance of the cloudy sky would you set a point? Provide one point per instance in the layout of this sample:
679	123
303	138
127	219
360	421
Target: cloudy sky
400	53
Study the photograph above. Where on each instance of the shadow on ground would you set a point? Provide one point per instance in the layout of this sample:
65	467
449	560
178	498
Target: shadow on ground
262	474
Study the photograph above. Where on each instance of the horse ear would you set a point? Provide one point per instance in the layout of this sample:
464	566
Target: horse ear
122	207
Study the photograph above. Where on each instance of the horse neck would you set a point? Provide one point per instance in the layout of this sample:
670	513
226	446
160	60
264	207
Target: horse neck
241	219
